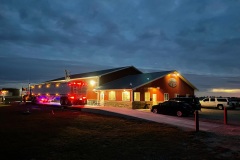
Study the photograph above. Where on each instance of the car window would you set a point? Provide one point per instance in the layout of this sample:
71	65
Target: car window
206	99
212	99
222	100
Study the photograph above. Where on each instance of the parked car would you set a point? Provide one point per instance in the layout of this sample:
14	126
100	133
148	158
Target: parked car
177	108
219	103
192	101
234	102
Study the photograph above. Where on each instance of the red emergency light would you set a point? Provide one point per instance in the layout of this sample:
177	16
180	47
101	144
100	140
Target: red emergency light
77	83
72	97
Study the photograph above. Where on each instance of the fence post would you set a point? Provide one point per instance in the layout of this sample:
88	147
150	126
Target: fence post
225	115
196	120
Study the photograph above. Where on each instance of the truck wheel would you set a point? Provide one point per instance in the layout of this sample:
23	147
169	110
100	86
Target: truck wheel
155	110
220	107
179	113
34	100
68	102
62	101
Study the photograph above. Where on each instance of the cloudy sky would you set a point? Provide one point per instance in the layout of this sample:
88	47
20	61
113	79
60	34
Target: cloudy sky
39	39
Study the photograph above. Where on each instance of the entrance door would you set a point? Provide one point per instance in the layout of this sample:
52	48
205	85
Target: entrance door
102	98
154	99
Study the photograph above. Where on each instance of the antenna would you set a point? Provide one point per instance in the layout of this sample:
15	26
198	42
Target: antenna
67	75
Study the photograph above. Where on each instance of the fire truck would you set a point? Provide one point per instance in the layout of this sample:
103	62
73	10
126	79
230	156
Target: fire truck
63	93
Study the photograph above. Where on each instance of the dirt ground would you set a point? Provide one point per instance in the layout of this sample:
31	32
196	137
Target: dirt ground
40	132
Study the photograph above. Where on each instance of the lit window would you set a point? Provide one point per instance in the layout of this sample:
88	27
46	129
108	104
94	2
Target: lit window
126	96
147	96
166	96
112	96
136	96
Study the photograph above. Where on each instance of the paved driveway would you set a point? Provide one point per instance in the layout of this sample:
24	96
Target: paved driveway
181	122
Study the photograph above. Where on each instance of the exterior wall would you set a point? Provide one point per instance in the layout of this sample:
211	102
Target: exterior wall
91	93
118	94
158	87
121	104
181	88
118	74
161	86
118	101
11	91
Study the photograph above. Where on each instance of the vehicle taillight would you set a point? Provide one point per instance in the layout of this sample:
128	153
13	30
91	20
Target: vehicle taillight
84	97
71	97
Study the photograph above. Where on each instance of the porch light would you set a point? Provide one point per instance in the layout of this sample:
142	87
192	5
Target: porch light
92	82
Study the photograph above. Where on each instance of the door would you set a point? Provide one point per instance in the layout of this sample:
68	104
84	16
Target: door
154	99
102	98
212	102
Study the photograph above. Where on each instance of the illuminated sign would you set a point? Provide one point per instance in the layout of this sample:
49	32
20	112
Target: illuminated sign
172	82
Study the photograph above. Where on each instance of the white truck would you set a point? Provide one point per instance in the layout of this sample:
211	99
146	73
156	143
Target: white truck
214	102
63	93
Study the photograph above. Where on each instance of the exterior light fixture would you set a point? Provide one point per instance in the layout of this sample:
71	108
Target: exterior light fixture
92	82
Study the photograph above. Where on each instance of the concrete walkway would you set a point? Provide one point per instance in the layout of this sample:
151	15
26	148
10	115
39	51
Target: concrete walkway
180	122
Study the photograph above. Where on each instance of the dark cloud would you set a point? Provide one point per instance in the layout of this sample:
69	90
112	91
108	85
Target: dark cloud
191	36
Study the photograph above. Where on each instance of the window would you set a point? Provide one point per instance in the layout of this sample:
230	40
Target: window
166	96
212	99
112	95
147	96
222	100
176	95
136	96
206	99
126	96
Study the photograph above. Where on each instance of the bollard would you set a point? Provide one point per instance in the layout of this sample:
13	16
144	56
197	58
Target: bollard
225	115
196	120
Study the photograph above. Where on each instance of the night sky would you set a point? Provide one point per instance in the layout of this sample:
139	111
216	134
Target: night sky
39	39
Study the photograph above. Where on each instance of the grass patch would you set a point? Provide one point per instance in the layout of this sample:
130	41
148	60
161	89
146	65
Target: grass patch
52	133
